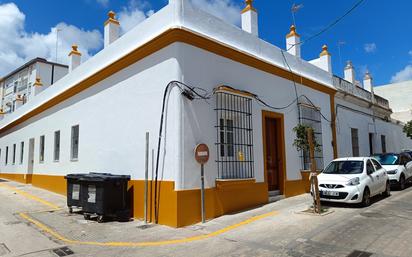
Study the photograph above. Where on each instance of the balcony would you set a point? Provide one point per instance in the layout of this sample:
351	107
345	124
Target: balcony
349	88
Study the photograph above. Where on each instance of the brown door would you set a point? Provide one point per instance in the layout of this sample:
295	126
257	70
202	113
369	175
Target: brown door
272	157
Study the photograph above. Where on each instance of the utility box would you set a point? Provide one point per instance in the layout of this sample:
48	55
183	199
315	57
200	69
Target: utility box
101	194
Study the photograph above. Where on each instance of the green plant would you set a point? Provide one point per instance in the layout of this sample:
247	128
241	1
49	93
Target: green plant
301	141
408	129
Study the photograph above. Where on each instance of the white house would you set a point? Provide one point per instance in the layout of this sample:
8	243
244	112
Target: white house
22	84
399	95
209	82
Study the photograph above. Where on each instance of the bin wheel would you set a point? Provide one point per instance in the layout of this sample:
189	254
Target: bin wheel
70	209
100	218
86	216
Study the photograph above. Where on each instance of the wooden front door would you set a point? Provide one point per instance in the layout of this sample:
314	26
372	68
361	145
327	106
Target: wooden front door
273	150
272	160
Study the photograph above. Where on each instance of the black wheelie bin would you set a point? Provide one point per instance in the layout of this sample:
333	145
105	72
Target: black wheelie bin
73	191
105	195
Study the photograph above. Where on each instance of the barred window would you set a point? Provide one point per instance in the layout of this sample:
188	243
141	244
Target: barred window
310	116
234	136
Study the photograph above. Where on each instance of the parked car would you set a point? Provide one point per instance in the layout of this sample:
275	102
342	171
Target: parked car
398	167
353	180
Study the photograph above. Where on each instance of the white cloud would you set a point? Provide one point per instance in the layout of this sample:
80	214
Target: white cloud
370	47
403	75
104	3
133	14
226	10
17	46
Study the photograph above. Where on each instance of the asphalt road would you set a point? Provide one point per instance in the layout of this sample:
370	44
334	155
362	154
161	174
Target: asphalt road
383	229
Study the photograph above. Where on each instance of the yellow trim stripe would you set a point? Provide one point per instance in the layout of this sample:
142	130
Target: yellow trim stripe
58	236
32	197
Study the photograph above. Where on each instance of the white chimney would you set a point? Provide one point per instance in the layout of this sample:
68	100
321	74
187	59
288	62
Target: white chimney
250	19
350	72
75	58
324	61
37	86
293	42
111	29
368	82
19	101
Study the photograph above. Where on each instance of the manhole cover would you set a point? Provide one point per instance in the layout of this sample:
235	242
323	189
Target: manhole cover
359	254
3	249
373	215
63	251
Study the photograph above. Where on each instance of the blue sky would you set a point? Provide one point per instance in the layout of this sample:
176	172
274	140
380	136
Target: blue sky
377	35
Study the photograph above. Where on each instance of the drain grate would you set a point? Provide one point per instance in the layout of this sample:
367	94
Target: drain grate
3	249
145	226
63	251
357	253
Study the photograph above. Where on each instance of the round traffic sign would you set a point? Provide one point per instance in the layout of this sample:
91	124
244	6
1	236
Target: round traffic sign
202	153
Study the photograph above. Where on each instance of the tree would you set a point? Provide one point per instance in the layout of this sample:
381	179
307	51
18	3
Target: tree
408	129
301	141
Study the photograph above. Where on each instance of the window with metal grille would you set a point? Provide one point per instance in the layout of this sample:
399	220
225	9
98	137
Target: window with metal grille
74	151
355	142
309	115
41	148
234	136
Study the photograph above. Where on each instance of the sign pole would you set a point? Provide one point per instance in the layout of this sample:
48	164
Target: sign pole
202	191
202	156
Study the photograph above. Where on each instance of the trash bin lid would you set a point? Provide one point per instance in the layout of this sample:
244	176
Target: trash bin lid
101	177
75	176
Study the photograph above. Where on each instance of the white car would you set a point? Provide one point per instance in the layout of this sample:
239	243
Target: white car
353	180
398	167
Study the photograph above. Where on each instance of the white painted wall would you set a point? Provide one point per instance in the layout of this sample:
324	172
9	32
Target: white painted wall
114	116
208	71
347	119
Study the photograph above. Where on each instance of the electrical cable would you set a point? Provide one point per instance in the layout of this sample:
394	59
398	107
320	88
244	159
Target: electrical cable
331	25
166	92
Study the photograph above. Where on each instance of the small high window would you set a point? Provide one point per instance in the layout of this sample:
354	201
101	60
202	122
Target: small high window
21	152
7	155
41	156
56	155
74	153
14	153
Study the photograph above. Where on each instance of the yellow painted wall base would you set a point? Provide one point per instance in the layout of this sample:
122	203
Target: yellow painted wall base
180	208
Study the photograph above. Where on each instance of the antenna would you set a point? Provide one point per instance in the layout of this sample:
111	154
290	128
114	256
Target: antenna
57	42
340	43
295	9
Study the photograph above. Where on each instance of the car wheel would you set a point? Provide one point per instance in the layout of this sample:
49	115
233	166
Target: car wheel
402	182
366	199
387	192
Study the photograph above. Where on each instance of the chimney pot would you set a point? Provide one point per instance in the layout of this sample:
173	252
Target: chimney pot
250	18
349	72
75	58
111	29
368	82
293	42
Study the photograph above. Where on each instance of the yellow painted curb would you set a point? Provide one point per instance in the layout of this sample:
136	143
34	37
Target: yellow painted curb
30	196
60	237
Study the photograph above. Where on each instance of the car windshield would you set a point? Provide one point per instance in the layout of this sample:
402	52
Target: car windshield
388	159
344	167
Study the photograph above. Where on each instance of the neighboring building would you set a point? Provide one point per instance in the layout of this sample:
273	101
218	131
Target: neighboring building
243	99
19	86
400	97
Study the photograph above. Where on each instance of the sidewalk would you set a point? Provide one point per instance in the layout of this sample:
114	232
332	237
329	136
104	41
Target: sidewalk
274	229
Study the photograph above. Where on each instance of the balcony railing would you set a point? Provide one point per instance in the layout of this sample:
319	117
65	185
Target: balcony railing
347	87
